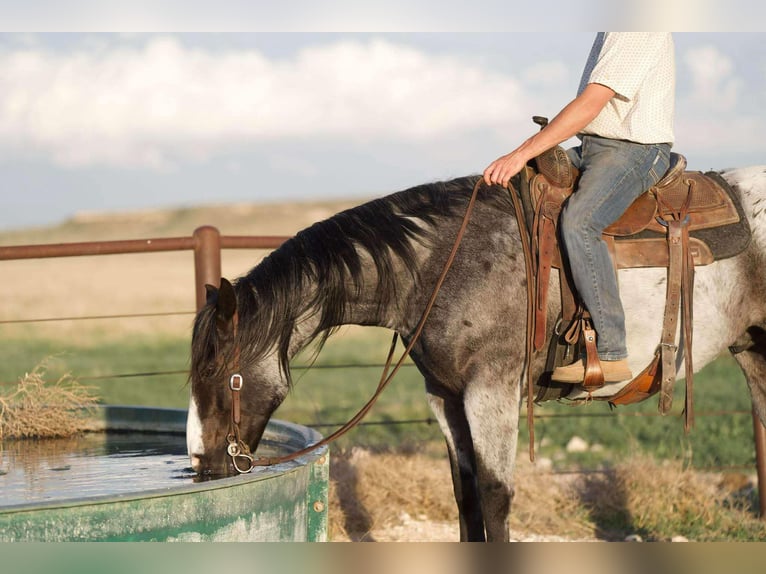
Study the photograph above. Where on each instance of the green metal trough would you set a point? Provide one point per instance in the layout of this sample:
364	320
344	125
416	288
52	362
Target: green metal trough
283	503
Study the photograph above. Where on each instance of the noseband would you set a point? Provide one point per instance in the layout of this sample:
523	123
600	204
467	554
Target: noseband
238	449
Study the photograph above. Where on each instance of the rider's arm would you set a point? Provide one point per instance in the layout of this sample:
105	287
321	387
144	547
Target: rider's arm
569	122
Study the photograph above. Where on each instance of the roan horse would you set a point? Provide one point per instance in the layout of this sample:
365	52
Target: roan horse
376	264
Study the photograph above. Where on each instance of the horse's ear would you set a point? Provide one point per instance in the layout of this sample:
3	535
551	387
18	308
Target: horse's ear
211	294
226	301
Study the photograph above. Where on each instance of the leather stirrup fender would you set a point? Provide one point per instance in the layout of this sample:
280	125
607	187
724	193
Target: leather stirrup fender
643	386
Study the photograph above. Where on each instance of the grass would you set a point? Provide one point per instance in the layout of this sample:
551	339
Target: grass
323	396
656	500
715	441
37	408
656	497
320	395
88	361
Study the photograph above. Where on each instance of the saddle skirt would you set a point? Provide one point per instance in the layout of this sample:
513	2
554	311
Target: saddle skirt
715	228
717	224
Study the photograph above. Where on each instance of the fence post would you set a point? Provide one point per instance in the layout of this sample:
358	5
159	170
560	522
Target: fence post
759	433
207	260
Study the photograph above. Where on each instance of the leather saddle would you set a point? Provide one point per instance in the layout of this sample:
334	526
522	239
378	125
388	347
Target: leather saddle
688	218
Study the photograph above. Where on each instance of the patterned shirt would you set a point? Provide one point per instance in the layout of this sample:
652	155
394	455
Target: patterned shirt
640	68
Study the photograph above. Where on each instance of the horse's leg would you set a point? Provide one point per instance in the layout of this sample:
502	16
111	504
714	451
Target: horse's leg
492	409
752	360
450	414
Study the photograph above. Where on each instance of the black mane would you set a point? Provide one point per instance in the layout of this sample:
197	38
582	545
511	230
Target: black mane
312	272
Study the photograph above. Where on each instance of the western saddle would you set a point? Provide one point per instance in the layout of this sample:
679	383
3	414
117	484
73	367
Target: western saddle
688	218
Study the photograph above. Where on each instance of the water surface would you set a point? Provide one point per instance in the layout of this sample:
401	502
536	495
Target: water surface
95	464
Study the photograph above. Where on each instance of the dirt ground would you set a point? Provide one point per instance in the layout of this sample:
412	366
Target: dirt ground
421	529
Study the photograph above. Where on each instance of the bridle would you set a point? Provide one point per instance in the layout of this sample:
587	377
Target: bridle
237	449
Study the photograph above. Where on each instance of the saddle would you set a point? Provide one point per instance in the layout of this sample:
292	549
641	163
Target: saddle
687	219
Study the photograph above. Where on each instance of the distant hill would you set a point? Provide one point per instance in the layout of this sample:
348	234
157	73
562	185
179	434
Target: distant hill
230	219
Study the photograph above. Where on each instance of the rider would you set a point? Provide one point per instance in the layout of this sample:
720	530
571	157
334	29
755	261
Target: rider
623	116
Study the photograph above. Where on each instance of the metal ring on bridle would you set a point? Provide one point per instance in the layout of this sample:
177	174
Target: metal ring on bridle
235	382
251	466
235	451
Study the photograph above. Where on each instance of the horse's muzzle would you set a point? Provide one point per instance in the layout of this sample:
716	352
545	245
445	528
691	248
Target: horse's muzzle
196	463
208	466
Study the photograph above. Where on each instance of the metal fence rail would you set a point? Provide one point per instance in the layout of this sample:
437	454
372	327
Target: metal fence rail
207	243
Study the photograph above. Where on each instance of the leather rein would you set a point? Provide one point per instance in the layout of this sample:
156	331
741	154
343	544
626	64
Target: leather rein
237	449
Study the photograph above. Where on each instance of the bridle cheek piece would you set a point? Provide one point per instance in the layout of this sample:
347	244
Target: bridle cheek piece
237	448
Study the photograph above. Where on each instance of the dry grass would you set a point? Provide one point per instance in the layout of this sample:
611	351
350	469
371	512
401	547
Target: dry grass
400	496
38	409
371	491
548	504
660	499
108	285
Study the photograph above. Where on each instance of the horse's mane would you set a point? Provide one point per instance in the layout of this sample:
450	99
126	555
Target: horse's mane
311	272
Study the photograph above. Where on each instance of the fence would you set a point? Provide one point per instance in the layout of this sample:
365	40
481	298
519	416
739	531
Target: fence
207	243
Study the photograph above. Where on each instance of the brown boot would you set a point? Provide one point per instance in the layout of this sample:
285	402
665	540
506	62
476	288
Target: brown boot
614	371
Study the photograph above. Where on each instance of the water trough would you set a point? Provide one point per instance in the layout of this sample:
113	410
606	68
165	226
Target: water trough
130	481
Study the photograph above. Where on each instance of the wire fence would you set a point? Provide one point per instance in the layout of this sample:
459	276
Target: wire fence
207	244
429	421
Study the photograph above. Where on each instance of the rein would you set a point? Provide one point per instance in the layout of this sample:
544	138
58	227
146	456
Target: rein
238	449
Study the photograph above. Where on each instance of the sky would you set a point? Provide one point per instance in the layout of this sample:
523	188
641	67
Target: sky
93	121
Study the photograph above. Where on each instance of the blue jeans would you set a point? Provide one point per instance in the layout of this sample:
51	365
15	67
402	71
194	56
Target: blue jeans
613	173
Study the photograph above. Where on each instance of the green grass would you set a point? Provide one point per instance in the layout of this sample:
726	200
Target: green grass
115	357
661	499
714	441
322	396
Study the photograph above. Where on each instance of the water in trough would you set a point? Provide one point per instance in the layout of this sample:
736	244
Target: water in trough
96	464
131	480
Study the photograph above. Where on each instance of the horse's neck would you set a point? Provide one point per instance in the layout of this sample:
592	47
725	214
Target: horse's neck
362	303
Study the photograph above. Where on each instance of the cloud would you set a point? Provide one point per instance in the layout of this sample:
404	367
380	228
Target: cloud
153	104
716	122
548	73
714	85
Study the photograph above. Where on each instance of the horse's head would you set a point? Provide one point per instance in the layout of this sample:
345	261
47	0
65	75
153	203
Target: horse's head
217	355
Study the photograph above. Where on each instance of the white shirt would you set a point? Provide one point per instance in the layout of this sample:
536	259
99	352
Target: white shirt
640	68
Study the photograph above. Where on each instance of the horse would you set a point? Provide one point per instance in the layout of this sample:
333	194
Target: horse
375	264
